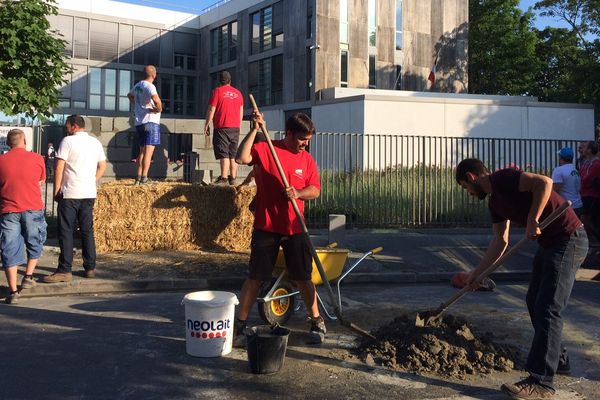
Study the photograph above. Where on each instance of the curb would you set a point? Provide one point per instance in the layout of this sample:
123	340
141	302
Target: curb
96	286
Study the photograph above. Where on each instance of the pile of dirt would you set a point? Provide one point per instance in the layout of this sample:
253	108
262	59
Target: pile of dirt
449	348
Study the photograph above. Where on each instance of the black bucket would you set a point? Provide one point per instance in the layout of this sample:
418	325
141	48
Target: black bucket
266	347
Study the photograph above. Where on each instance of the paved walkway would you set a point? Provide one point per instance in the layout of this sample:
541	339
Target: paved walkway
408	256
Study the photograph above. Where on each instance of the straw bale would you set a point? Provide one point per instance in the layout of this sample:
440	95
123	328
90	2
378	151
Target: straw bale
172	216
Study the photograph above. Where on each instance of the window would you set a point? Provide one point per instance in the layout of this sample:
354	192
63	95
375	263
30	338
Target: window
185	50
372	72
309	63
398	85
63	24
266	29
178	94
165	92
309	14
372	10
265	80
125	44
223	42
80	38
343	21
108	89
104	38
344	68
398	24
146	49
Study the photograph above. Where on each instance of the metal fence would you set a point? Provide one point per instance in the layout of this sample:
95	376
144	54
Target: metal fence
388	181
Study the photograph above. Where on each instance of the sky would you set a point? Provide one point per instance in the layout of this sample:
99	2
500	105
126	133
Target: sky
195	6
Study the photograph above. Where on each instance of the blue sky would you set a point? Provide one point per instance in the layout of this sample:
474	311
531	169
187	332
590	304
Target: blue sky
195	6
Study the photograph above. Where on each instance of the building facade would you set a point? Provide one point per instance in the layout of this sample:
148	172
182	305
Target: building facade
283	51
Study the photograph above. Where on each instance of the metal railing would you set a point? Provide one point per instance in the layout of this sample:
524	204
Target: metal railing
389	181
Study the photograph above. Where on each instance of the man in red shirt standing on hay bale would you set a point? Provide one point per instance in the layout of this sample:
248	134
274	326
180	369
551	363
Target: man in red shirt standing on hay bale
80	163
275	221
225	110
22	219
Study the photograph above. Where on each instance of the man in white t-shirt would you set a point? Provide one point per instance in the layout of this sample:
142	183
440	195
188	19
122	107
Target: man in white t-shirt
147	108
566	179
80	163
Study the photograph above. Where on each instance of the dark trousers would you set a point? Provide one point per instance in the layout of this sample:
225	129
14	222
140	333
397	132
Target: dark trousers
551	283
71	212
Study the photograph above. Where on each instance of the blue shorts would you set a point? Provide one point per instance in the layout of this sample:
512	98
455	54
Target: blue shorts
17	230
148	134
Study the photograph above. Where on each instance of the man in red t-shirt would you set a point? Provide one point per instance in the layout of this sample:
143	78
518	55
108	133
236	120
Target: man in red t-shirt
225	110
275	221
525	199
22	218
589	172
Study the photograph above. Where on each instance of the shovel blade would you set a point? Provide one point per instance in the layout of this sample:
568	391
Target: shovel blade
427	318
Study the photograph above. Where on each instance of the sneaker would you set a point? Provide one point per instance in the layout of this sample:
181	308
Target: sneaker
136	183
28	283
58	277
145	180
221	180
317	330
231	180
12	298
527	389
90	273
239	333
564	364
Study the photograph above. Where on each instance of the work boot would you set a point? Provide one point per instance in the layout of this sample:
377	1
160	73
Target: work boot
12	298
239	333
28	282
90	273
317	331
58	277
221	180
527	389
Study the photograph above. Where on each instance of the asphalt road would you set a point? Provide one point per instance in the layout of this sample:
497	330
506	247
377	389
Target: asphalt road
133	347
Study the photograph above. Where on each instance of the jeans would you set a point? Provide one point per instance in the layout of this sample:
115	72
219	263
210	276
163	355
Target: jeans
551	283
26	228
71	211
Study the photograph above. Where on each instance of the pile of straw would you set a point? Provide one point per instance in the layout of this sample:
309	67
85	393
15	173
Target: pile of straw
172	216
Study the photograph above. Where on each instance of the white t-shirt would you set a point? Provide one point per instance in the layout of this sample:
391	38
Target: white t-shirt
568	177
81	154
143	92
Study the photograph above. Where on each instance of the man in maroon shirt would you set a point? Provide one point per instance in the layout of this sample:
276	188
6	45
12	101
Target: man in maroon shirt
22	220
525	199
225	110
275	221
589	172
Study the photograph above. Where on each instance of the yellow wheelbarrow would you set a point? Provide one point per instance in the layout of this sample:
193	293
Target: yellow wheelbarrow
277	300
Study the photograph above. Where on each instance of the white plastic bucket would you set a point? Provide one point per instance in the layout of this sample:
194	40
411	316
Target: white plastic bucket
209	317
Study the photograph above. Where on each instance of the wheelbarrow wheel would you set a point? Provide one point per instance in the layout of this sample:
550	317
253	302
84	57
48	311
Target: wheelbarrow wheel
277	311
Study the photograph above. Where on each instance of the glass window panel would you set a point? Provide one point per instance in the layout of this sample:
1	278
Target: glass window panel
166	49
398	24
109	102
179	61
278	17
124	104
372	10
185	43
223	42
79	83
146	45
309	27
344	68
94	102
79	104
63	24
178	88
372	72
255	33
125	44
103	40
178	107
267	29
279	40
64	103
191	63
80	38
95	80
124	82
110	82
277	80
191	89
189	110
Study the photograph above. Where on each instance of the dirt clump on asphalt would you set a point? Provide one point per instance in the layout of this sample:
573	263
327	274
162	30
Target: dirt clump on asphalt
450	348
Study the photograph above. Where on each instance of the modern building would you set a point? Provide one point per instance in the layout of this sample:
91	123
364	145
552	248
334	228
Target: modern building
283	51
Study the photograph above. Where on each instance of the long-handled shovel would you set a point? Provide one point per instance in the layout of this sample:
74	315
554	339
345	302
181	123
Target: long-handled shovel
336	308
426	318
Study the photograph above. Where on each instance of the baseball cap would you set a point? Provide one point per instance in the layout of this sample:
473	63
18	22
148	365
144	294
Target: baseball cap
566	152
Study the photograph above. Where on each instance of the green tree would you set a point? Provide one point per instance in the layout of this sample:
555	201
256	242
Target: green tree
32	63
502	46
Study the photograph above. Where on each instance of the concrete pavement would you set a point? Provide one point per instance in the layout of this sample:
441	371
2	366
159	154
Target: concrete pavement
409	256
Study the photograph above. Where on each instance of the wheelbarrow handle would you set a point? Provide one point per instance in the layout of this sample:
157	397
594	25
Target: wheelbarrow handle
376	250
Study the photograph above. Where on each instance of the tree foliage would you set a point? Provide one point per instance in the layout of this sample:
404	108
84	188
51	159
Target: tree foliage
502	48
32	64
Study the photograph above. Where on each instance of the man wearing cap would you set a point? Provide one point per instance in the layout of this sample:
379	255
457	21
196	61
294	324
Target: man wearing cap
566	180
225	110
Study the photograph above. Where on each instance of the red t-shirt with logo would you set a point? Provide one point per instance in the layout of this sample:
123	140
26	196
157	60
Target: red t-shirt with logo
507	203
227	101
20	174
274	211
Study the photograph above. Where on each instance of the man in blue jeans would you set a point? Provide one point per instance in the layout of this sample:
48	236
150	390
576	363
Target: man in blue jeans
526	199
22	222
80	163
